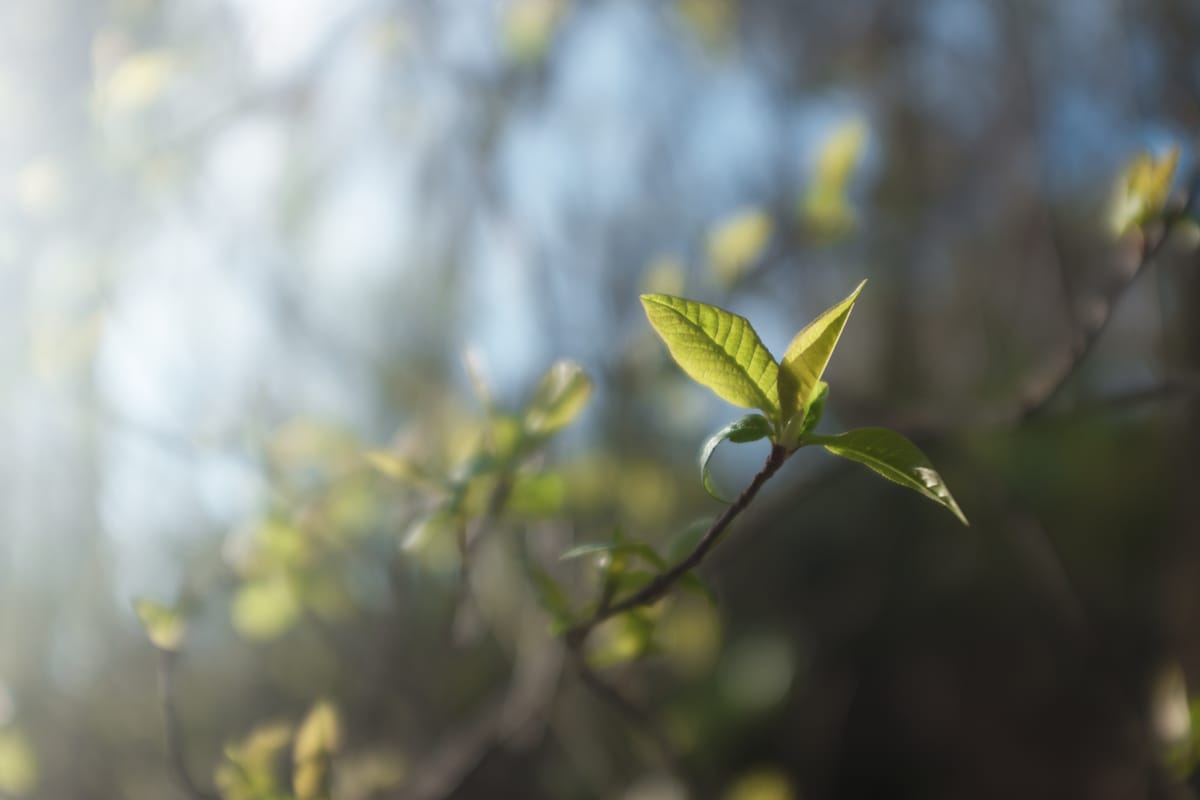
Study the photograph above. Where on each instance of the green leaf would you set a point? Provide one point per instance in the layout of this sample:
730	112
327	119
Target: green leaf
825	208
807	356
736	243
1142	190
317	740
688	538
718	349
893	457
749	428
541	494
265	609
164	627
691	582
18	764
560	396
815	408
621	639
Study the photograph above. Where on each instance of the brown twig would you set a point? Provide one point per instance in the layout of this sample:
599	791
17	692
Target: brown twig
1045	390
665	580
638	718
173	731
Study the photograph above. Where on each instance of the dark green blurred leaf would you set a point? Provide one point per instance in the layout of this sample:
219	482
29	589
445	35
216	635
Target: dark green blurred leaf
895	458
551	598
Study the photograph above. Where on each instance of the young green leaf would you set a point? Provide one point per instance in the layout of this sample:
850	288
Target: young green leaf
164	627
559	398
749	428
736	243
808	355
1142	190
893	457
317	740
718	349
815	408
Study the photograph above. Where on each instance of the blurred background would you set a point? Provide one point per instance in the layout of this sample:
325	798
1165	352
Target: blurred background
277	277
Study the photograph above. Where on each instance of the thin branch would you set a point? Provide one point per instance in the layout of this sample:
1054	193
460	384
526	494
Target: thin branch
173	731
638	718
667	579
1046	389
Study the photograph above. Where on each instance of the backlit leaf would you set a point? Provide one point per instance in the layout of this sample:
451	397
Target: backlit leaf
895	458
537	494
137	81
18	764
825	207
165	627
529	27
559	398
251	767
737	243
1142	189
265	609
807	356
718	349
749	428
815	408
317	739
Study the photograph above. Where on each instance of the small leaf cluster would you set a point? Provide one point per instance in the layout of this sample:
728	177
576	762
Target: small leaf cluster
256	768
722	351
1142	189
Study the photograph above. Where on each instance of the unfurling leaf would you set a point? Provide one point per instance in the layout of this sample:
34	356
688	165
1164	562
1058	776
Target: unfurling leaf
560	396
1142	189
807	356
749	428
164	627
718	349
895	458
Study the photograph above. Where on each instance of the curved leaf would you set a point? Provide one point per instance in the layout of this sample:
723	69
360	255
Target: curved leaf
749	428
718	349
895	458
808	355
